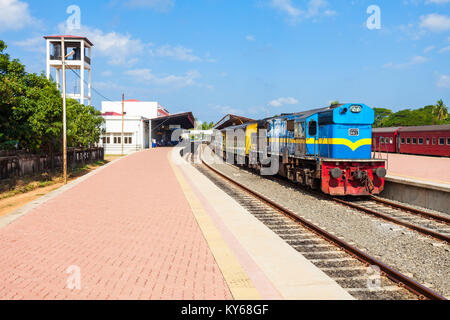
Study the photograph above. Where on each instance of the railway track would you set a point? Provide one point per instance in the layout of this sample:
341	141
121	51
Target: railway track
427	224
351	268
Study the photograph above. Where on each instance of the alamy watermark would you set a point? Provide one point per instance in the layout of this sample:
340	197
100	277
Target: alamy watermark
374	21
73	22
73	281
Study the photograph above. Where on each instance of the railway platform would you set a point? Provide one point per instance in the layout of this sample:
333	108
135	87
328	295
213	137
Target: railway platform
149	226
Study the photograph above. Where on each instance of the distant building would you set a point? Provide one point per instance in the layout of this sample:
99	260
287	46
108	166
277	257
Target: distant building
146	125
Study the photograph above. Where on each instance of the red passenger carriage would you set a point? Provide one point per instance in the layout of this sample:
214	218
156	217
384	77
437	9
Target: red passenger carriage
424	140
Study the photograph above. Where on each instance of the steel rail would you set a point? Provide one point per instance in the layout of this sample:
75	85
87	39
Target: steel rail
415	211
402	280
383	216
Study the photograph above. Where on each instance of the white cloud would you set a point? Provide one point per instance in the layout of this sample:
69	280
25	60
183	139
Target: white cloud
445	49
437	1
14	15
227	110
120	48
283	101
313	9
158	5
428	49
178	53
435	22
443	81
250	38
173	81
411	62
35	44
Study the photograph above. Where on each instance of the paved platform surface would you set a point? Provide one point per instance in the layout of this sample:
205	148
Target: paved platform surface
149	227
431	170
129	231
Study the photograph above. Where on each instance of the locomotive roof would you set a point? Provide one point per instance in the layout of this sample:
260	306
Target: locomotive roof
304	114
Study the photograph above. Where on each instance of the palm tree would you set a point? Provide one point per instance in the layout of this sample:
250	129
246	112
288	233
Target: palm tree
440	112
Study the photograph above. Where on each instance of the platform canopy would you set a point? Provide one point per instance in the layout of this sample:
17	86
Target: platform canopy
231	120
184	120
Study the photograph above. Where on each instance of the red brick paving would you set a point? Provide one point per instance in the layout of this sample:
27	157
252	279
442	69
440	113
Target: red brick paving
128	228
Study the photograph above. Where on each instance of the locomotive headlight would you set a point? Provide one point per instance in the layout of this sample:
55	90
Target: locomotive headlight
356	109
380	172
336	173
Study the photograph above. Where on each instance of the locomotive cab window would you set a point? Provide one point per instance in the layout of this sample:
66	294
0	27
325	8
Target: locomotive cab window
312	128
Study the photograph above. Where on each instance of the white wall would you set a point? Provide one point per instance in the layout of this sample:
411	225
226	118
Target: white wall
147	110
134	127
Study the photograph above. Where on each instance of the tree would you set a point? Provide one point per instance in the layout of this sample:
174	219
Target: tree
31	112
381	114
440	112
335	103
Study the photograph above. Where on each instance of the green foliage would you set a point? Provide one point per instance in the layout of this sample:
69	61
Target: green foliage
31	112
428	115
207	126
335	103
381	114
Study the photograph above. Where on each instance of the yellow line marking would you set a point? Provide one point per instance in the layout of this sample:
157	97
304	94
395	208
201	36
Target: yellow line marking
238	281
334	141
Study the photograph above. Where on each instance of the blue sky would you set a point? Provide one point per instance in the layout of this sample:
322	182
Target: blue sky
250	57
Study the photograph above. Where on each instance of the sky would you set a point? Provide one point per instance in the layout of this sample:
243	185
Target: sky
255	58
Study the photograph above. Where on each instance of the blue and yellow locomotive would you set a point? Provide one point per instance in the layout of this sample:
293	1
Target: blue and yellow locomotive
328	149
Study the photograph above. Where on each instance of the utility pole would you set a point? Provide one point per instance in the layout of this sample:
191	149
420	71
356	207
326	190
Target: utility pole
123	118
63	59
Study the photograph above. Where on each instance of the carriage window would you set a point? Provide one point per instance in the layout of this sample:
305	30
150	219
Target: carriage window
403	140
448	141
391	140
312	130
428	140
420	140
408	140
434	141
381	140
290	125
414	140
441	141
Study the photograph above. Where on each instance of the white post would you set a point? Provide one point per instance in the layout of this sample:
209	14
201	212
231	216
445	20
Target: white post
90	87
82	74
48	59
58	83
63	59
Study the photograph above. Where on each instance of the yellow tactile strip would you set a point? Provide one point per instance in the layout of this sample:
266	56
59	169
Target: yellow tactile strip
238	282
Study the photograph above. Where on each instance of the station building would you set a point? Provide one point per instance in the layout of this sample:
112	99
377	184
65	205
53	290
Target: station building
146	124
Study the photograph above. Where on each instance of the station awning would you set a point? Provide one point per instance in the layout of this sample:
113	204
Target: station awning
231	120
184	120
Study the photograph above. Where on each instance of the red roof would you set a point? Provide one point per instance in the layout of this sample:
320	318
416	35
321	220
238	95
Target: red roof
132	100
111	114
70	37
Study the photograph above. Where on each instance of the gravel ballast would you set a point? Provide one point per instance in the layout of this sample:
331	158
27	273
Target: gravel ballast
423	259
